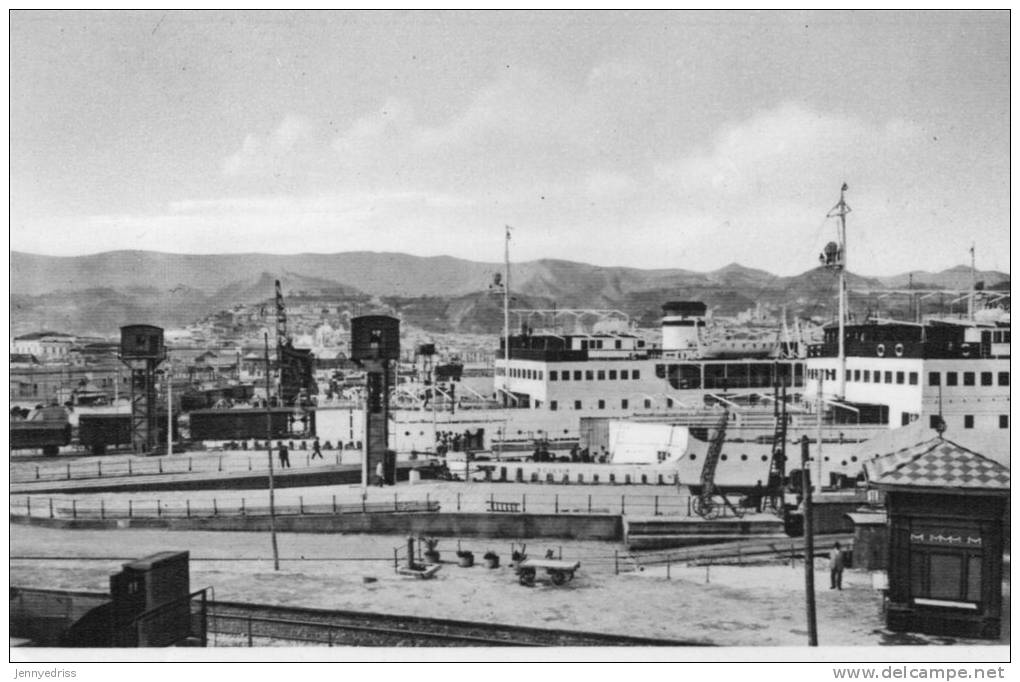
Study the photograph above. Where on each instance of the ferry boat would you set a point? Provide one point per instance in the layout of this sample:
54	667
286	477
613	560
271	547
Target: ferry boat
626	399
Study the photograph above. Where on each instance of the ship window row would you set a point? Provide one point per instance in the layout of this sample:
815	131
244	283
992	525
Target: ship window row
968	421
602	404
595	375
880	377
521	373
968	378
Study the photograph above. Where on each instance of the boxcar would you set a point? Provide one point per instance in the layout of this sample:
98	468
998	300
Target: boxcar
250	424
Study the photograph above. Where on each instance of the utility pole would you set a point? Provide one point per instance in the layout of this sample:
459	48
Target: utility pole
809	546
169	409
269	452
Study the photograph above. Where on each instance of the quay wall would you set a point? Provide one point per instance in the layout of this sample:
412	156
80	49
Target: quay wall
605	527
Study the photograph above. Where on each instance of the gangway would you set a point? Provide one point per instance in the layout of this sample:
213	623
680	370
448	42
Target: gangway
705	504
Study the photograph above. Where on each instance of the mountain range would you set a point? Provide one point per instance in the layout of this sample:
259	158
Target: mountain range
98	293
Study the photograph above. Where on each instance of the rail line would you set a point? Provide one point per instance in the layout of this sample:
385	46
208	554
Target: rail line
258	625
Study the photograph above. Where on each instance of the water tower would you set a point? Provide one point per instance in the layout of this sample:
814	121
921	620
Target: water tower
142	350
375	346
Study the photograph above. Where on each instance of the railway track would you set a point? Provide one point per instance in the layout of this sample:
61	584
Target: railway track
242	624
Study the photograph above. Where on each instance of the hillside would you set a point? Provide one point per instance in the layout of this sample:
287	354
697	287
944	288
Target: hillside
96	294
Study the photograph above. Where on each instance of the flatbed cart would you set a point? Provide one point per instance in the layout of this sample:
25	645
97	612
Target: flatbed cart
559	571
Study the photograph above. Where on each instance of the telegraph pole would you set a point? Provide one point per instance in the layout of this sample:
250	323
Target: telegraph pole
269	452
809	546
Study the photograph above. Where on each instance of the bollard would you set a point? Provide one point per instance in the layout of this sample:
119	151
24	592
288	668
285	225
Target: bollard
330	637
595	479
397	507
589	504
557	504
708	576
74	509
129	509
51	507
187	508
616	561
524	503
219	466
37	473
215	511
334	504
301	504
160	463
102	509
428	504
363	497
243	512
396	559
626	479
492	502
656	505
623	504
189	465
69	472
688	505
561	552
99	468
458	501
249	464
159	508
28	505
129	467
668	567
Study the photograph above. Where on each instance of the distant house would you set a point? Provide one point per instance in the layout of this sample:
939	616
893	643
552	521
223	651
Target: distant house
47	346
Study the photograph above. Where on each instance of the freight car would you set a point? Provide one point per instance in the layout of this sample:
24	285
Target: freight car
97	432
47	429
251	424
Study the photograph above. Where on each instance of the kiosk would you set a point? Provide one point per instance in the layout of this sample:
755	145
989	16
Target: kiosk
945	507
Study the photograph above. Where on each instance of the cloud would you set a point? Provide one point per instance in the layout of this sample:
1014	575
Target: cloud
789	151
272	154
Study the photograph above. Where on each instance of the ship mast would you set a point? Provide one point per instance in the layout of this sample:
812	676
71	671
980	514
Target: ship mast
970	299
839	264
506	318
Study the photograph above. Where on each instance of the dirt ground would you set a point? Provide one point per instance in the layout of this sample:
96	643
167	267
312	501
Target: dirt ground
755	606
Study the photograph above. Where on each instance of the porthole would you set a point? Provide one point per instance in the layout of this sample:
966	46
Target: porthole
854	458
743	458
843	462
693	457
764	458
723	458
826	459
407	433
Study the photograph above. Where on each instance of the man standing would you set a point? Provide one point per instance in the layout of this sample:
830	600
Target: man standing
836	568
316	450
284	455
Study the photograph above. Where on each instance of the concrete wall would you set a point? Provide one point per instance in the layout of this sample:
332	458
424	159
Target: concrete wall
574	526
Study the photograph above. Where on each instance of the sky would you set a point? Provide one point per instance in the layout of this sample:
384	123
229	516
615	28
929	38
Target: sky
646	139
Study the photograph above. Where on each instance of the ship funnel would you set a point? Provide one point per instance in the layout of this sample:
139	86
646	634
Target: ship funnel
682	322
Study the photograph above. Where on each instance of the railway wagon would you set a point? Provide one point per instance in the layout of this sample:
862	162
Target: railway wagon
97	432
46	436
47	429
250	424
